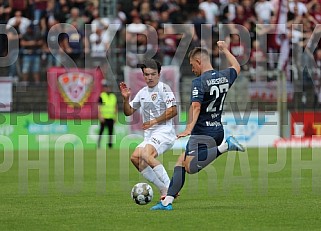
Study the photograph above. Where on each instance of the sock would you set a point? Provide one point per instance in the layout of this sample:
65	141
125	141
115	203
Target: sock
177	181
223	147
168	200
162	174
150	175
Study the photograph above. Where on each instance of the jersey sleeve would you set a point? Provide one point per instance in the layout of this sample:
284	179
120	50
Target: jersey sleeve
135	103
197	94
168	96
231	74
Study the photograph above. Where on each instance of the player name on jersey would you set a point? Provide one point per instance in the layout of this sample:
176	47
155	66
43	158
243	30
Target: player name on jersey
216	81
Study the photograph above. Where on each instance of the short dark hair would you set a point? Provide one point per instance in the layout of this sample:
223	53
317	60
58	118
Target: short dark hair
150	63
196	51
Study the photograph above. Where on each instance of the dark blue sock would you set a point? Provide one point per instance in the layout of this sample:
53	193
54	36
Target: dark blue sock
177	181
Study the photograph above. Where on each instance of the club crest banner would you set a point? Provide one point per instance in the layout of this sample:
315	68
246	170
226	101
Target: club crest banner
73	94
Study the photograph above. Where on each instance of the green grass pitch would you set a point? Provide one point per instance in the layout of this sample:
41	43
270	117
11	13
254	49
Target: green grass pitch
262	189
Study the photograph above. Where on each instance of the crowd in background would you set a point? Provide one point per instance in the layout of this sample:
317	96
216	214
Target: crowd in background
53	33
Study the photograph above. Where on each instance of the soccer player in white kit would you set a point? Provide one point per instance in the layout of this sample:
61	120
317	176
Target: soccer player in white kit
158	106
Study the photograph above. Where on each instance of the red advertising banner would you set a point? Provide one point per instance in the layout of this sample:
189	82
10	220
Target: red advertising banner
73	94
305	131
305	124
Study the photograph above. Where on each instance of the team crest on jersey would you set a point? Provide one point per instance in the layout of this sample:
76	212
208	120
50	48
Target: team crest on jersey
75	88
154	96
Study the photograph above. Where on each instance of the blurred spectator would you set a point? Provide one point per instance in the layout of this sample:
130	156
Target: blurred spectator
19	22
5	11
75	17
99	22
99	45
239	50
314	9
317	79
249	11
80	5
164	18
216	60
199	22
240	16
170	42
174	11
88	13
300	7
145	11
258	62
264	11
31	44
250	29
61	11
228	11
40	8
121	17
75	44
211	11
136	42
53	44
19	5
13	51
297	45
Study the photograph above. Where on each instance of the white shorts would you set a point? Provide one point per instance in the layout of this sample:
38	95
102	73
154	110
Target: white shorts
160	142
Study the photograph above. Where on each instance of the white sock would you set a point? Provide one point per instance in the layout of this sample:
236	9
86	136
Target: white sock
162	174
223	147
168	200
150	175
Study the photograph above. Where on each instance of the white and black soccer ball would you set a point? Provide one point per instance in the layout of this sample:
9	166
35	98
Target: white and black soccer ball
142	193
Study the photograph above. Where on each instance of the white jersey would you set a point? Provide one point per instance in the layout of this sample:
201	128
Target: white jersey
153	102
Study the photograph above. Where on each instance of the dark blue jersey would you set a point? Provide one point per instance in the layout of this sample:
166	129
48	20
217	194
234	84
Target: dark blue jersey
210	90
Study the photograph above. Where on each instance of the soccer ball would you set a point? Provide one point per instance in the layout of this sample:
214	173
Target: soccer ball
142	193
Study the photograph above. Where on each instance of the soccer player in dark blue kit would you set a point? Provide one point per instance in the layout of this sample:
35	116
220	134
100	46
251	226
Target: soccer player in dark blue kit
204	125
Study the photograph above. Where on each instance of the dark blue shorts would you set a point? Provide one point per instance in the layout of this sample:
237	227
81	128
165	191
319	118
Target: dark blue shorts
201	143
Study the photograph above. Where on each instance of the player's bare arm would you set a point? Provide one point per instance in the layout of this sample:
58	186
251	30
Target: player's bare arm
167	115
126	92
223	47
193	114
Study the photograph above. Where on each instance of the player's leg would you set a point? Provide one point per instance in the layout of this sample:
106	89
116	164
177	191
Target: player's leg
185	163
110	125
101	130
158	144
137	161
176	184
200	152
231	144
208	151
146	170
149	155
26	64
36	68
178	178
